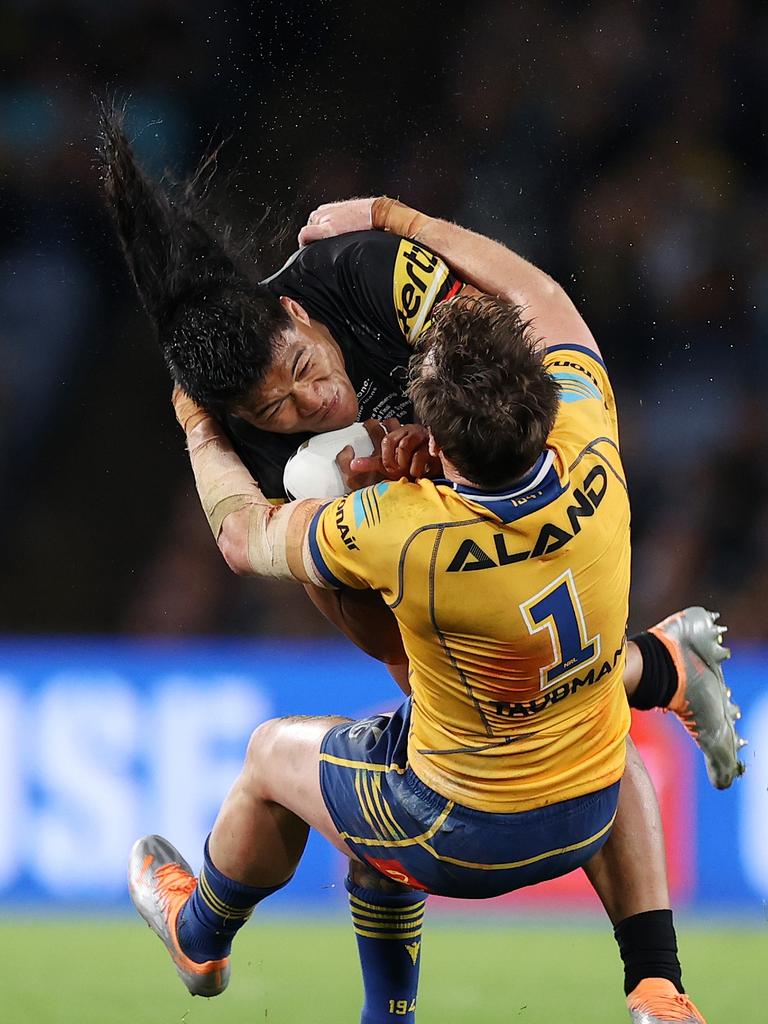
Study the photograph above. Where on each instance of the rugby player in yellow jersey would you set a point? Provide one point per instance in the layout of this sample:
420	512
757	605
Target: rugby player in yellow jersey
509	580
326	340
147	222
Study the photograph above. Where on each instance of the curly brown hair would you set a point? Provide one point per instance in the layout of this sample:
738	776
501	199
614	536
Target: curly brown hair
478	381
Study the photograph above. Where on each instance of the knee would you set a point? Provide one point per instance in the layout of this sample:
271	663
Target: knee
262	745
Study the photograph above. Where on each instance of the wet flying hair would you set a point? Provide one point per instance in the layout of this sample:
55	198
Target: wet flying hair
216	325
477	380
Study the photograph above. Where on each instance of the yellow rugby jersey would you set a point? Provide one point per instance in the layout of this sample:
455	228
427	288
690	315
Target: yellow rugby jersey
512	607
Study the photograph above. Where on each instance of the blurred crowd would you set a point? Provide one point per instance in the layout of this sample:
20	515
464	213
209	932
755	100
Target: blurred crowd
621	145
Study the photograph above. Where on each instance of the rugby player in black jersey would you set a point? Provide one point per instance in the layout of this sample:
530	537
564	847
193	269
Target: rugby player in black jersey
353	306
326	341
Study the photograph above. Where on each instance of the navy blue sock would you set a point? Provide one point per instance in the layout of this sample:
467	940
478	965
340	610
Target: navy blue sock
388	930
215	912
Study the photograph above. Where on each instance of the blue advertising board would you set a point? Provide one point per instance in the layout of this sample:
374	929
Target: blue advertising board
101	742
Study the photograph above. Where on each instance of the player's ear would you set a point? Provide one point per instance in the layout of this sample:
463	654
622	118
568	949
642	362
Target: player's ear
295	309
434	447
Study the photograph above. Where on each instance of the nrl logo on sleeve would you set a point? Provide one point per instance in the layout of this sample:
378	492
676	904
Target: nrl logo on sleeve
418	277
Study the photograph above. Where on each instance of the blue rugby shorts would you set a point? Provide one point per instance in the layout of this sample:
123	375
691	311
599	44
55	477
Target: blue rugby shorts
390	819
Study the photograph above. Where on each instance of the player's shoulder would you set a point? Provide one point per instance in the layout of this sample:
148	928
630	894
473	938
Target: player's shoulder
351	250
579	371
361	537
587	403
386	502
392	507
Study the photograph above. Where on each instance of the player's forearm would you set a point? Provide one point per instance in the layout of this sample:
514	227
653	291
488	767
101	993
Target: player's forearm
364	618
480	261
255	537
492	268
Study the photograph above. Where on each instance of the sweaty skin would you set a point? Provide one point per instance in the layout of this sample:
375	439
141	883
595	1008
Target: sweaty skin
306	388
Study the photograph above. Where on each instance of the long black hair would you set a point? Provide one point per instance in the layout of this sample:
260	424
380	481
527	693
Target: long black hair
216	325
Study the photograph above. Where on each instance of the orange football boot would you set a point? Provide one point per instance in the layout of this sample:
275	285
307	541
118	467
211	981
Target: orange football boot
657	1001
160	882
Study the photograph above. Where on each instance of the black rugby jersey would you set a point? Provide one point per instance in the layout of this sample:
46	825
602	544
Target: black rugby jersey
375	293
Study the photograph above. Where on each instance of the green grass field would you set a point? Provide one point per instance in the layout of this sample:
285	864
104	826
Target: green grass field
297	971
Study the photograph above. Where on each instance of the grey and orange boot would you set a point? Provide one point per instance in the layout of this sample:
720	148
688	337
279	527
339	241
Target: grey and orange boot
702	700
160	882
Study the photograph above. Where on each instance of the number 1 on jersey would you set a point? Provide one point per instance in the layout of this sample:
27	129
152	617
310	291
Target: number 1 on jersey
557	610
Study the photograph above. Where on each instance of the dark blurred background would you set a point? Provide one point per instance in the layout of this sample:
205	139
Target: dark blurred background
622	146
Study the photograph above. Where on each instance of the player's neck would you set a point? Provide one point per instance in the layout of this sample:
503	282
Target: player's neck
451	473
455	477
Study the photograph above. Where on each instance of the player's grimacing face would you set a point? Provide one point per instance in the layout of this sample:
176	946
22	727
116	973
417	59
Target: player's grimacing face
307	387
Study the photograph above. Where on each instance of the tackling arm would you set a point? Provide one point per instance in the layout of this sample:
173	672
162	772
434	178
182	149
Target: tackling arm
493	268
258	538
487	265
255	537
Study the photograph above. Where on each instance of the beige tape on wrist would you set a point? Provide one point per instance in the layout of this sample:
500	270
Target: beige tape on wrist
223	483
393	216
276	538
